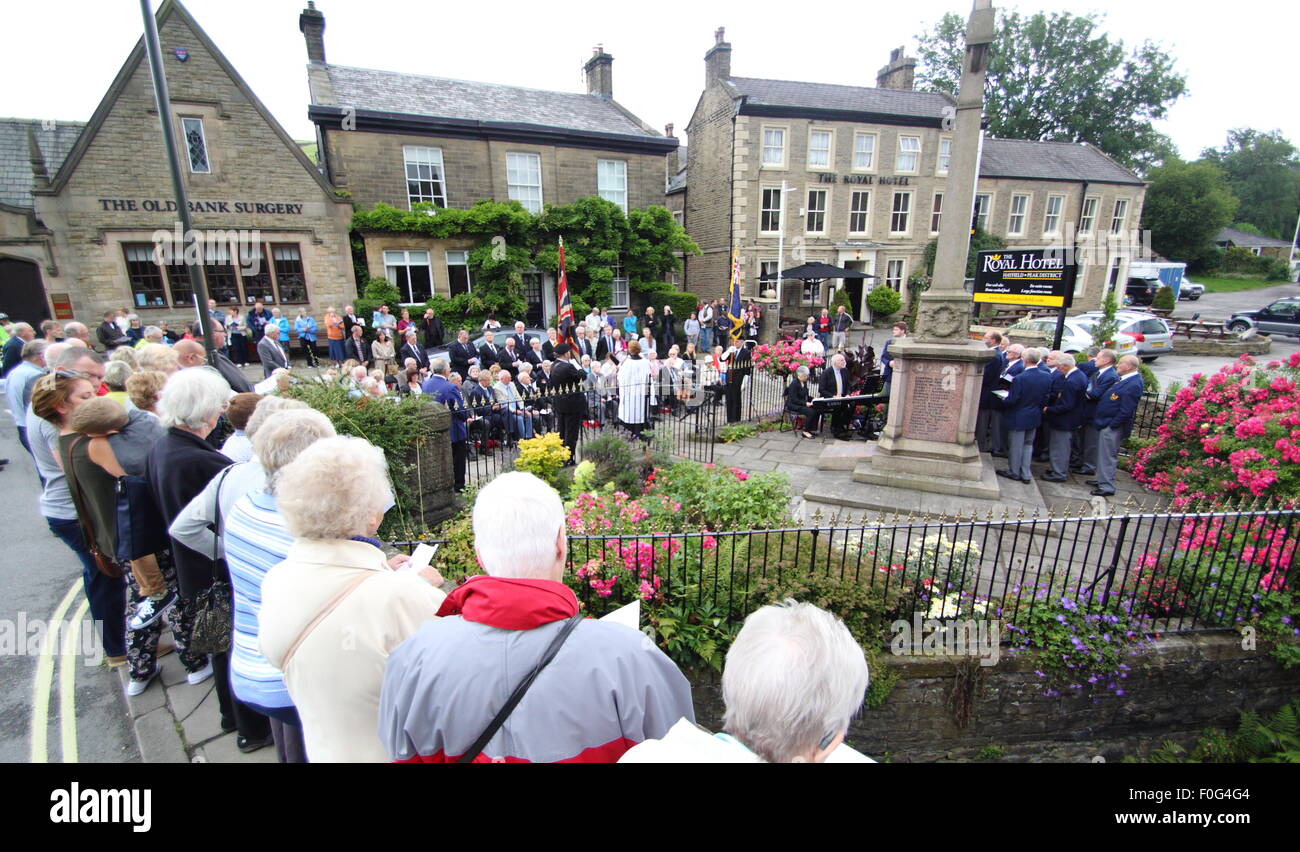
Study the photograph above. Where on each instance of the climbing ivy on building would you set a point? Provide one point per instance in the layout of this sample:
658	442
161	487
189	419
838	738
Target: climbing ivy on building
509	241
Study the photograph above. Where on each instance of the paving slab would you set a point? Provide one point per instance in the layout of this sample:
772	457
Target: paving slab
204	722
224	750
158	738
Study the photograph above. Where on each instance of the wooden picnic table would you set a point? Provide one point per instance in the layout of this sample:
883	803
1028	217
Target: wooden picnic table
1199	328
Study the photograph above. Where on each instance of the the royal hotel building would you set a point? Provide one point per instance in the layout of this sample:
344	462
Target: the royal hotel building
865	173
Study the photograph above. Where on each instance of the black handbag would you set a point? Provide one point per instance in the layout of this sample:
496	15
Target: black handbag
140	528
213	617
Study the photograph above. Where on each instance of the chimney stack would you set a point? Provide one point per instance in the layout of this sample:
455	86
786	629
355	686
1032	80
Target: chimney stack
717	62
900	73
311	24
600	73
673	165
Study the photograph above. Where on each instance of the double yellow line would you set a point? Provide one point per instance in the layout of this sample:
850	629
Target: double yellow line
68	653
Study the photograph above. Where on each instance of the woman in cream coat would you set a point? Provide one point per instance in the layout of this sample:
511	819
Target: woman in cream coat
335	608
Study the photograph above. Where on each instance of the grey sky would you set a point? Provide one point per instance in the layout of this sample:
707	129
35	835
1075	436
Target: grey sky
61	55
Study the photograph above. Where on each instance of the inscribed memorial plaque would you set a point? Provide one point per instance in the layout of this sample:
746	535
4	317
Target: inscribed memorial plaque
932	407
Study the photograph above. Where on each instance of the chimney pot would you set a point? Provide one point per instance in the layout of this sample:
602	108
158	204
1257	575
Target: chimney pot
717	62
900	73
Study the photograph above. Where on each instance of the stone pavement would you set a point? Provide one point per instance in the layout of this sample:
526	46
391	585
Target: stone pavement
797	457
178	723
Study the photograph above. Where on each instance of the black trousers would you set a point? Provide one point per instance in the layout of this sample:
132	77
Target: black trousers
459	459
732	393
250	724
570	425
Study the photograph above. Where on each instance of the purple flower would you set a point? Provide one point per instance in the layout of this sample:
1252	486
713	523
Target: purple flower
1060	618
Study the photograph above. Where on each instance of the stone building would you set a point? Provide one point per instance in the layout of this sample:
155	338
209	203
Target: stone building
274	229
404	139
855	177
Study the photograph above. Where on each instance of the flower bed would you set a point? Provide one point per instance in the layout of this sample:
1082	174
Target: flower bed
783	358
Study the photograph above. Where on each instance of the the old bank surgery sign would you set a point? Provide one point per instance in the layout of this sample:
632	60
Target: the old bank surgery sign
1025	277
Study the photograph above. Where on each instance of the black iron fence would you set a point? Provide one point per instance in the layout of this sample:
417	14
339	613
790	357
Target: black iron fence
1186	571
679	413
1150	414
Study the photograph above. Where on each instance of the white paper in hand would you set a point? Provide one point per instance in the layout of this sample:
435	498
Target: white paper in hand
628	616
420	559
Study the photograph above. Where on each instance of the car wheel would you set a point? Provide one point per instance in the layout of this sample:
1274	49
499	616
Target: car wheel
1238	327
1149	359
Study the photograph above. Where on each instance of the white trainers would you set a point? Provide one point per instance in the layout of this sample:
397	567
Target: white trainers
151	610
195	678
135	687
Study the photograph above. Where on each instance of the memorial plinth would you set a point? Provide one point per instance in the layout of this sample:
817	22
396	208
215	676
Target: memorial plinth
928	443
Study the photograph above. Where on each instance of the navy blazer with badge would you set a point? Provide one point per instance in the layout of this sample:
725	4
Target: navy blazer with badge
443	391
1065	408
1117	406
1098	385
1024	405
460	355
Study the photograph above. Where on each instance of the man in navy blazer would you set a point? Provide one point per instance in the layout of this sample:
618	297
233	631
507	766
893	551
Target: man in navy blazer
1012	366
1098	385
988	421
1023	412
1064	413
1113	420
462	354
439	386
489	353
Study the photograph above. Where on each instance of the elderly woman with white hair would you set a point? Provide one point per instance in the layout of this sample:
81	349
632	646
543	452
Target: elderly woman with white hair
794	679
178	468
335	607
156	356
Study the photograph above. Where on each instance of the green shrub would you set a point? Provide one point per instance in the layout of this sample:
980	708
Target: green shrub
884	301
1163	299
683	304
543	456
1257	740
1149	381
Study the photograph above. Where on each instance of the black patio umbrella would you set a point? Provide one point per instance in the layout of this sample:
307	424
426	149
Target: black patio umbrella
817	271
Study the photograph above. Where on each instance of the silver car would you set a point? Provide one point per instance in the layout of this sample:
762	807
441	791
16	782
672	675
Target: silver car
1075	337
1152	336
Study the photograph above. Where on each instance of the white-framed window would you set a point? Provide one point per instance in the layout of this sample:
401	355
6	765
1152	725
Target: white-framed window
767	272
936	212
895	271
424	176
774	147
945	155
909	154
459	279
679	217
1088	217
983	207
1018	215
619	297
820	145
196	145
410	273
859	211
900	215
1081	277
818	200
1117	219
769	221
864	152
611	181
1052	214
524	180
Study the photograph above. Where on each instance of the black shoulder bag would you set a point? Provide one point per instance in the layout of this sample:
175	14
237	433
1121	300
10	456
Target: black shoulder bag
518	694
213	620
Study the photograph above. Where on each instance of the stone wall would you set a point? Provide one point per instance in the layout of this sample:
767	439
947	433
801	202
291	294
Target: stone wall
429	471
1180	686
1257	345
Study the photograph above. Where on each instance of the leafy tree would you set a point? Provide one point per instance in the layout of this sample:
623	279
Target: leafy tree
1186	205
1263	171
980	241
1054	77
1103	333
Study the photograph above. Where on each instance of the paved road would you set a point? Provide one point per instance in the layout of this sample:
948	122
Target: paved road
1219	306
85	712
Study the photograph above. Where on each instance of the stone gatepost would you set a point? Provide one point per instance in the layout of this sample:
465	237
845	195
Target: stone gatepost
429	475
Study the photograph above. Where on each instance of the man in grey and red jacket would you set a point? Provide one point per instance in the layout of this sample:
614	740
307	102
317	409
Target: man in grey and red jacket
606	689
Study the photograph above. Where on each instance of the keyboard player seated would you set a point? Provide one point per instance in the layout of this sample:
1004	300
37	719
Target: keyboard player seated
836	382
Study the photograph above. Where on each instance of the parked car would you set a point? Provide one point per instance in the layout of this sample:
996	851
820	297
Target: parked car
498	337
1142	291
1191	290
1281	317
1151	335
1075	337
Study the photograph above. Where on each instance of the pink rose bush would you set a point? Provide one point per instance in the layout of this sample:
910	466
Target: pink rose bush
1233	434
783	358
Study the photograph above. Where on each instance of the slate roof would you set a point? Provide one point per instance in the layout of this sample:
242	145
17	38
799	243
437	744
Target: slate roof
1019	158
676	183
899	102
15	159
1247	239
417	94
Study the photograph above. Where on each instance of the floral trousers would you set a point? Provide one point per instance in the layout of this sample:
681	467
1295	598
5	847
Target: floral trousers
142	645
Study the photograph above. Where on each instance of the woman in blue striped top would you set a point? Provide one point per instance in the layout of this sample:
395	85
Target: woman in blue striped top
255	538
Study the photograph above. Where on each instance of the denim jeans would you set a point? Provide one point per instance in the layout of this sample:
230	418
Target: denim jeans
107	595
